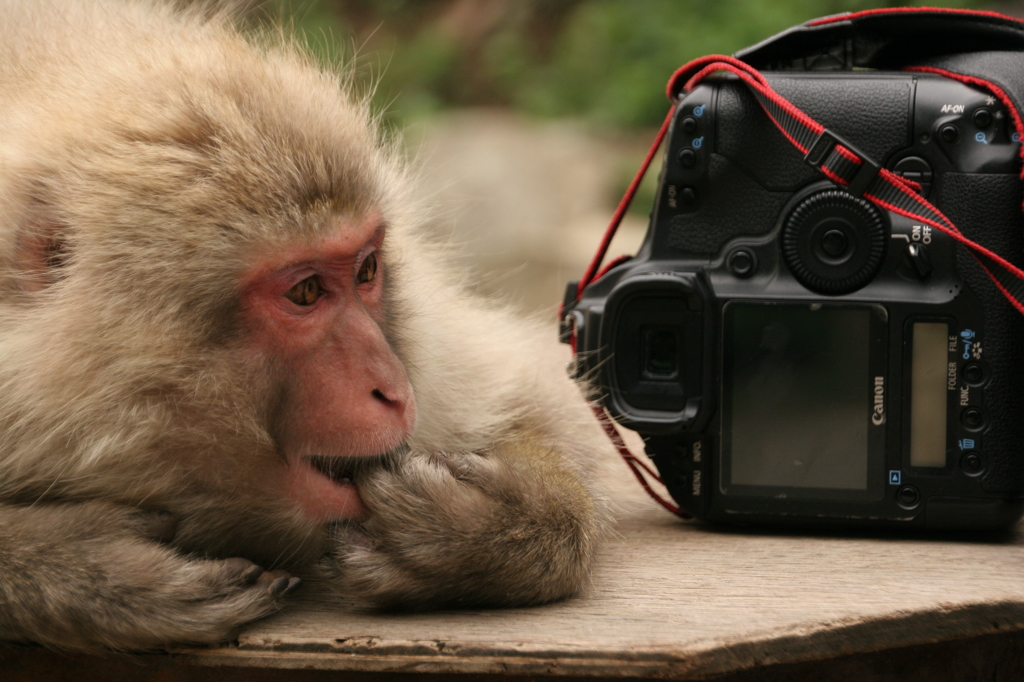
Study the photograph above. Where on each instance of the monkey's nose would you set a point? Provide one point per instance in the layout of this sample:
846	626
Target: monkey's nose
379	395
396	400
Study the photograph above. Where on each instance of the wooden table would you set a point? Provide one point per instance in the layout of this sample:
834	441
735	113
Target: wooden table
669	600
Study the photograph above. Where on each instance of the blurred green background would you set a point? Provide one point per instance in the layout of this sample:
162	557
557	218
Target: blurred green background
528	118
606	60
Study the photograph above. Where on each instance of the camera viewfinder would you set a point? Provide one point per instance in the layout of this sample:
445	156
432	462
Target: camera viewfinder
660	352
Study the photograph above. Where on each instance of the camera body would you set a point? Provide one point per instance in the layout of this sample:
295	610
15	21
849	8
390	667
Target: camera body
793	354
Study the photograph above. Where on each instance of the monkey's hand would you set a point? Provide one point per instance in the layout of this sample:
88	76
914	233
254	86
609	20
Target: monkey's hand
81	576
512	526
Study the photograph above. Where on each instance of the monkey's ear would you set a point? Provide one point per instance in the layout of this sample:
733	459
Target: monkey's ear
40	252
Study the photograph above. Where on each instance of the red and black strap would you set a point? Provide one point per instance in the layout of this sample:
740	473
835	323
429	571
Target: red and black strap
836	159
890	11
842	163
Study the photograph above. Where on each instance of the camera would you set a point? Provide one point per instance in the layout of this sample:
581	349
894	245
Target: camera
793	354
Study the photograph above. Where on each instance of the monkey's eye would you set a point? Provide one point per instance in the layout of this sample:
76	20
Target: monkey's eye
368	270
305	292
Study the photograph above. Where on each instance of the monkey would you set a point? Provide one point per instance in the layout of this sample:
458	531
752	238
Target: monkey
230	360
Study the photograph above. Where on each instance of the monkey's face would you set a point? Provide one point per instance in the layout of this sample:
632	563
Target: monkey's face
316	311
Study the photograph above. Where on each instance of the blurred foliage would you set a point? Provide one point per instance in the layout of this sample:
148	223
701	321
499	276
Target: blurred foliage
606	60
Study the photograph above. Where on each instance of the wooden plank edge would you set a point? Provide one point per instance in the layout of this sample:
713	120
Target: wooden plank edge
697	659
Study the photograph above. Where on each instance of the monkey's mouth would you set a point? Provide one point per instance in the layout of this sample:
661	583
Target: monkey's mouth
350	470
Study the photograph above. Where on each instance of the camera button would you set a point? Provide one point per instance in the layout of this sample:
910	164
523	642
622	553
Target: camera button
688	195
972	418
687	157
949	133
908	497
971	463
982	118
742	263
974	373
834	243
689	125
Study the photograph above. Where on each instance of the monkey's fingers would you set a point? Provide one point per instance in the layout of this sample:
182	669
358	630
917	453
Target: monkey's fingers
278	583
230	574
468	529
242	571
455	463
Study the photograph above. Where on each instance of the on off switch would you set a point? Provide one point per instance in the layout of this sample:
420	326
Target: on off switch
915	256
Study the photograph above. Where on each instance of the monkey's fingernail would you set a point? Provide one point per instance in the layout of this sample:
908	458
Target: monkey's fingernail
160	526
274	582
278	587
250	576
293	584
244	570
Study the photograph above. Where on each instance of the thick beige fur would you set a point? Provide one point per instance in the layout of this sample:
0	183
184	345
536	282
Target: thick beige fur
154	154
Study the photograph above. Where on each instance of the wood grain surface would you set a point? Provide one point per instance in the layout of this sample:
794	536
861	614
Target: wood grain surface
679	599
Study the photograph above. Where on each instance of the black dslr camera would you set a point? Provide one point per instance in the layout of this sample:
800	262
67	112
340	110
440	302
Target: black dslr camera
792	353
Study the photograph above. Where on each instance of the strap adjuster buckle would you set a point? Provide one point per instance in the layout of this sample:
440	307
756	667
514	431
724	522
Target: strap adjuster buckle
823	147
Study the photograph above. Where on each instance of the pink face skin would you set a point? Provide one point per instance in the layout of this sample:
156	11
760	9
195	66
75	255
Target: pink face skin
347	393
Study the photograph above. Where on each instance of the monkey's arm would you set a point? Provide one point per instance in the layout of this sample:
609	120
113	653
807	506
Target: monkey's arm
84	576
511	526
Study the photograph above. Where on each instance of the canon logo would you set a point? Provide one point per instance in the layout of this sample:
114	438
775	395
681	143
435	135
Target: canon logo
878	413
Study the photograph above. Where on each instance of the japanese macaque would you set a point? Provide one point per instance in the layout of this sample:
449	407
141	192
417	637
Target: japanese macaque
226	354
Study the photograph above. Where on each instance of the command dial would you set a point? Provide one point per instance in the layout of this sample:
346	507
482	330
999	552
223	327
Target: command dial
834	242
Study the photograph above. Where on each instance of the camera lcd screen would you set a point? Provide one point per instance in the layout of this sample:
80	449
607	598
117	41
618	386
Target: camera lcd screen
798	396
928	393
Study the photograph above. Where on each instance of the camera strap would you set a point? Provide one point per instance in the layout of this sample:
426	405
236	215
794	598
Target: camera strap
841	162
980	49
